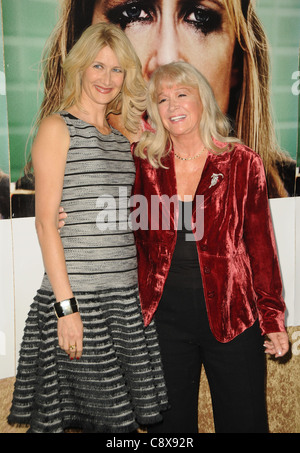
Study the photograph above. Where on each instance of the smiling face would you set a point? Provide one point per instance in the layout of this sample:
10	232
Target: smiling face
102	80
162	31
180	109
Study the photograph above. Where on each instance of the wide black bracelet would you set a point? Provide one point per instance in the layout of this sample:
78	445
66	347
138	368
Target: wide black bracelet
66	307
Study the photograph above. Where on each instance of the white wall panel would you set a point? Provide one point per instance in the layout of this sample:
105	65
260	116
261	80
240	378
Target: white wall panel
283	215
28	270
7	325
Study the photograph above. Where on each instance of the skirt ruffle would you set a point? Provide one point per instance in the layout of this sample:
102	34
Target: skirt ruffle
116	386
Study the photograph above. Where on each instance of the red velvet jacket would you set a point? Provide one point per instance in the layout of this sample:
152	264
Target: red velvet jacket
237	254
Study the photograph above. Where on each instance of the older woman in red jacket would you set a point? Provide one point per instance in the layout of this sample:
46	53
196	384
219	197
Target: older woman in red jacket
215	297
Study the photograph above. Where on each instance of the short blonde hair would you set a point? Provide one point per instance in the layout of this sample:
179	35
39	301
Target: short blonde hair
131	100
213	125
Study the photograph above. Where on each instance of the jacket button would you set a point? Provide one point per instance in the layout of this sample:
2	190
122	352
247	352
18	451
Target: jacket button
206	270
211	294
203	247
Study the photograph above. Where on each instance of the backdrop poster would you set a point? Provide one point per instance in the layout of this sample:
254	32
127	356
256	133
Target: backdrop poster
4	154
200	32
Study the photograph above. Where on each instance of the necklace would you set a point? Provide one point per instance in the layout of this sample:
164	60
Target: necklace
189	158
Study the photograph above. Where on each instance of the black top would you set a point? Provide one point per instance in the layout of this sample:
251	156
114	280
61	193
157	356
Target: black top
184	270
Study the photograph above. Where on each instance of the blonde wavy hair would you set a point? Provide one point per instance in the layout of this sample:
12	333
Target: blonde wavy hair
213	124
130	102
250	100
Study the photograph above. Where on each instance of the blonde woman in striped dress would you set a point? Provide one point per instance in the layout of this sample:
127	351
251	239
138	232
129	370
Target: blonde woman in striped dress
96	367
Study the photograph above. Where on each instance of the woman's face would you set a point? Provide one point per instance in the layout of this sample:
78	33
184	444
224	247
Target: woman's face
103	79
180	109
162	31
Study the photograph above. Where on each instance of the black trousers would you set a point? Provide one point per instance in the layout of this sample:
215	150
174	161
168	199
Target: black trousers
235	370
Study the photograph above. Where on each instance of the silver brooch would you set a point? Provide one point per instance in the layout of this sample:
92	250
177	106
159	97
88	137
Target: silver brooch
214	179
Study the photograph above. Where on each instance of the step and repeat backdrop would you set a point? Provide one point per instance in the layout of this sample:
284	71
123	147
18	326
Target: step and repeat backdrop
257	72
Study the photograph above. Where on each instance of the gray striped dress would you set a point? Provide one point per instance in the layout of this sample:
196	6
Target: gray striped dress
118	383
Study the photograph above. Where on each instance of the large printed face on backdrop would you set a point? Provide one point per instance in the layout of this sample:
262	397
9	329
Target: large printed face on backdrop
170	30
197	31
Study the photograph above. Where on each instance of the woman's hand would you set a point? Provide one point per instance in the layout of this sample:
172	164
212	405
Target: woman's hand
70	335
61	217
277	344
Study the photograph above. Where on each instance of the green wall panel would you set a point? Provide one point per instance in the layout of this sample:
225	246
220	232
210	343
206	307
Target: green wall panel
26	27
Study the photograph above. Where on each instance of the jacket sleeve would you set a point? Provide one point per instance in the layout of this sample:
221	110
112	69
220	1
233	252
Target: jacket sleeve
261	246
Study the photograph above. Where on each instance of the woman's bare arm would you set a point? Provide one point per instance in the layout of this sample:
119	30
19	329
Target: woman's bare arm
49	155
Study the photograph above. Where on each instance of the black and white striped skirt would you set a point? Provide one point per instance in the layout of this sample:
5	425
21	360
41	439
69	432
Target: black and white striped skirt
116	386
